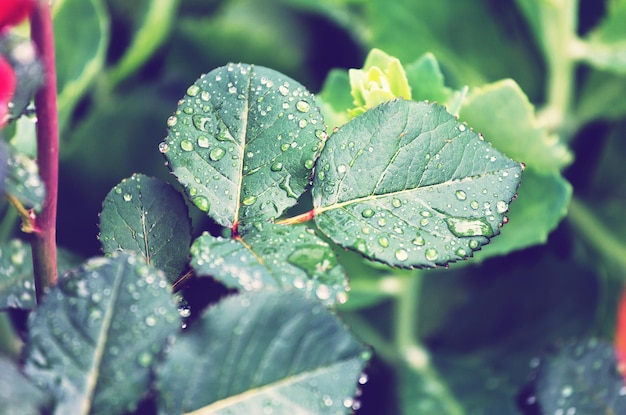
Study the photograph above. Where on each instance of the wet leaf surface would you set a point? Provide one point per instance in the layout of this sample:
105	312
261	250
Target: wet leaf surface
270	352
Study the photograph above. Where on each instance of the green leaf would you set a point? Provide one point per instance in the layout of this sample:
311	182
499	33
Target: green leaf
278	256
540	207
80	48
502	113
148	216
605	46
426	80
408	185
243	143
601	97
18	396
93	339
583	375
263	352
23	181
17	287
335	98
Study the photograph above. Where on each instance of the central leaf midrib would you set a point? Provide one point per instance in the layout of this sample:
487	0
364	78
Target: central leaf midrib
244	121
101	342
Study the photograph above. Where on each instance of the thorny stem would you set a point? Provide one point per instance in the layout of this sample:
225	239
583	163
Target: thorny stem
44	242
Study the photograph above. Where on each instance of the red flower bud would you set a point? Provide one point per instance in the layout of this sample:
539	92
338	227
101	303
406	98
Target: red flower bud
7	88
13	12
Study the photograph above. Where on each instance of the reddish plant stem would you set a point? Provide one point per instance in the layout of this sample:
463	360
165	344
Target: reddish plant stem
44	242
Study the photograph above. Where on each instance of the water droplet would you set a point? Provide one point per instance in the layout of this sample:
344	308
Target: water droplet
186	145
395	202
171	121
474	204
151	321
205	96
567	391
502	206
382	221
302	106
461	252
341	168
249	200
431	254
323	292
426	214
402	255
283	90
308	164
460	194
367	213
203	141
118	190
202	203
217	153
469	227
360	245
423	221
384	242
144	359
285	147
461	127
302	123
473	244
419	241
128	197
164	147
277	166
284	184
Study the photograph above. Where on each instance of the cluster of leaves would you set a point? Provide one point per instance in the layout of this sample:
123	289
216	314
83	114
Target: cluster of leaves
401	184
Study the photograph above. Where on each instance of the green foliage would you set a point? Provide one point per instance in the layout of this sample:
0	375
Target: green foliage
412	158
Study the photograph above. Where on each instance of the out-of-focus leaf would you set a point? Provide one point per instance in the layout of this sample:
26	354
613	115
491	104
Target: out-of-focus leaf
605	46
243	142
408	185
153	30
502	113
28	72
93	339
602	97
23	181
148	216
81	35
278	256
335	99
259	352
582	377
18	396
426	80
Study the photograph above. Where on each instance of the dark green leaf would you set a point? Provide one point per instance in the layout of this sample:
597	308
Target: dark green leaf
148	216
18	396
23	181
263	352
278	256
408	185
80	47
581	378
243	143
93	339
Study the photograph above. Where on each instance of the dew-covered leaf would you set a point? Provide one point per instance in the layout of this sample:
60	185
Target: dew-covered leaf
502	113
263	352
23	181
408	185
18	396
17	285
93	339
277	256
243	142
80	47
582	375
146	215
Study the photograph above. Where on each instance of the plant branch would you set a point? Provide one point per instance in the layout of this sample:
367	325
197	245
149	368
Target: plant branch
44	242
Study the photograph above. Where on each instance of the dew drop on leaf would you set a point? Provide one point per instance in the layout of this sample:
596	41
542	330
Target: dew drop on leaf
277	166
384	242
402	255
171	121
502	206
164	147
367	213
217	153
395	202
193	90
203	141
249	200
308	164
474	204
302	123
186	145
419	241
460	194
202	203
302	106
431	254
128	197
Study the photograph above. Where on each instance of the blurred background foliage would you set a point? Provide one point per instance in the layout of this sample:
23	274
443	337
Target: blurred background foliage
124	64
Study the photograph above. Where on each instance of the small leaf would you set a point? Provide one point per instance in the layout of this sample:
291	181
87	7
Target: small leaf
279	256
23	181
501	111
262	352
582	375
92	340
408	185
18	396
426	80
243	143
148	216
